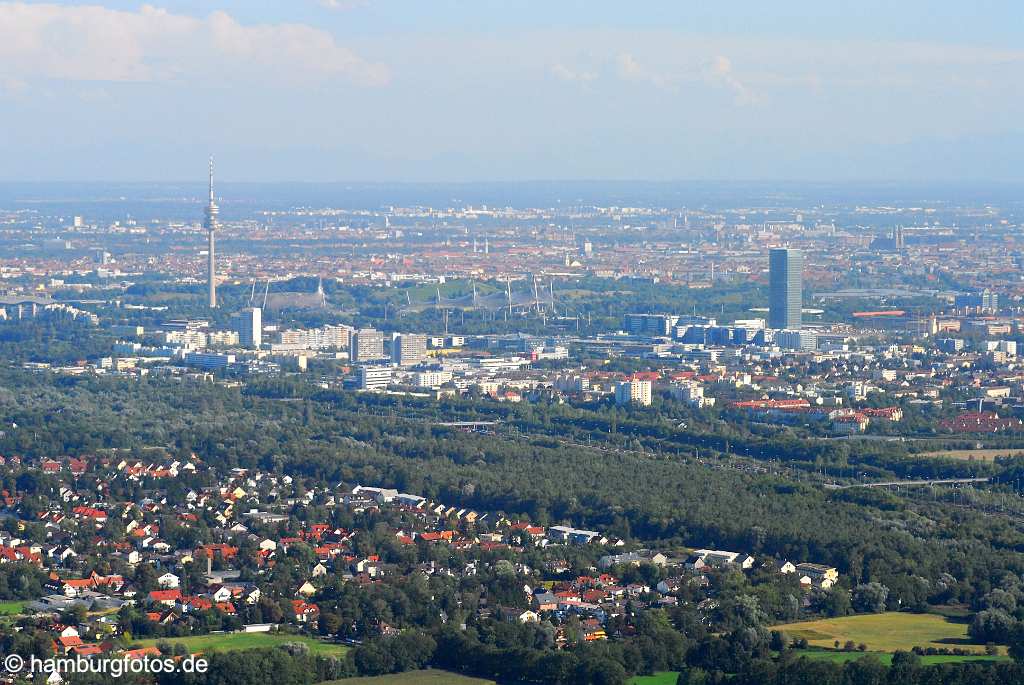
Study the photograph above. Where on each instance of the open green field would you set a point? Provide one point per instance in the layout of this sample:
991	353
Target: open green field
428	677
659	678
230	642
969	455
886	632
886	657
12	608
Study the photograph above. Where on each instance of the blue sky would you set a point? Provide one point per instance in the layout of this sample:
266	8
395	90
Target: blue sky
438	90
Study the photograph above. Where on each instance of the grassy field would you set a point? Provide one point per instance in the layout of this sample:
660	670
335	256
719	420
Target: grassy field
428	677
886	632
968	455
886	657
229	642
12	608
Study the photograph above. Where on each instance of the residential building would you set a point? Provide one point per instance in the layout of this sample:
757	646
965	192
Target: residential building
432	379
409	349
367	345
692	394
324	338
209	360
634	391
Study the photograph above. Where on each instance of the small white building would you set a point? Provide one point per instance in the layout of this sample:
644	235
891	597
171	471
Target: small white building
168	581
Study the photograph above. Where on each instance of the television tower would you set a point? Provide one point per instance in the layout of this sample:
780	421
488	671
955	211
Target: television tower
210	224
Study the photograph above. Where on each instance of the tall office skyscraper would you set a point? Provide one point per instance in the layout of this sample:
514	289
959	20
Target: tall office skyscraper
210	224
249	325
786	288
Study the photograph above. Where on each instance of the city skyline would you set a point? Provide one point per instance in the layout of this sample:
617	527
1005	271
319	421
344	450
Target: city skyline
577	342
391	92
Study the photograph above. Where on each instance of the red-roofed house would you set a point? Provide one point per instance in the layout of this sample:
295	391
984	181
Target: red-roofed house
165	597
304	611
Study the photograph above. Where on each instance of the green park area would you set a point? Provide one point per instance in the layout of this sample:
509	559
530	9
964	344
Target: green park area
229	642
659	678
12	608
885	632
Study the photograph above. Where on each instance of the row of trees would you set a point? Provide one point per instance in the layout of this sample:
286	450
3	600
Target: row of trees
893	539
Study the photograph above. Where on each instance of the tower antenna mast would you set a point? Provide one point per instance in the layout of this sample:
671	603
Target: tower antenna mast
212	211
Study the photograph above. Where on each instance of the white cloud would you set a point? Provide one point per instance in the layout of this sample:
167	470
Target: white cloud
564	73
92	43
753	70
719	71
629	69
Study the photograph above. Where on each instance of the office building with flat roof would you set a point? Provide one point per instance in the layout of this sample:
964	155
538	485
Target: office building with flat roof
785	288
249	325
367	345
409	349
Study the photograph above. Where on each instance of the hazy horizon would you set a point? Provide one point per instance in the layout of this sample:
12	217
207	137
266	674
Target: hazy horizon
184	200
342	90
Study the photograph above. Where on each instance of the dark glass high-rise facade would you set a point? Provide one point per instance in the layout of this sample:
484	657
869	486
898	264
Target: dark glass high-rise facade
786	288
